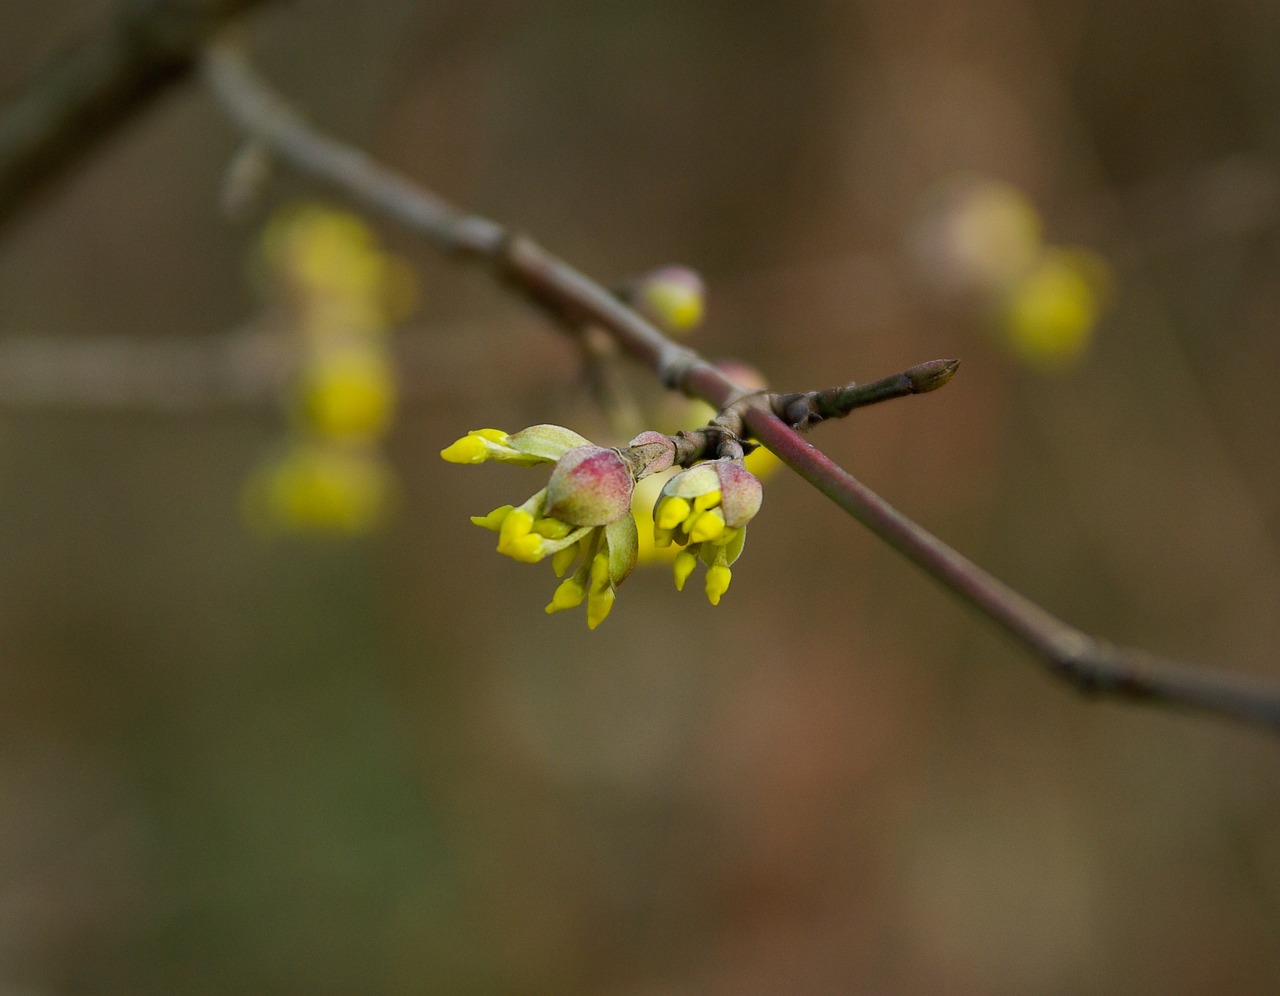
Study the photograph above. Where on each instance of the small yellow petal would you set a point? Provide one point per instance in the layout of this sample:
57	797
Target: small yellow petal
526	549
709	500
686	561
718	578
671	511
567	596
600	571
493	521
493	435
517	540
598	605
552	528
707	526
727	537
561	560
468	449
661	537
762	462
516	523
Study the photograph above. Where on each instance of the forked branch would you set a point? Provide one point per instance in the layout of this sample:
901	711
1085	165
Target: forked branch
1090	665
83	94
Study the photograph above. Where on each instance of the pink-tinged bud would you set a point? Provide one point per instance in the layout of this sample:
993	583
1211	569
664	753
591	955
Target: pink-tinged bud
740	492
650	453
590	486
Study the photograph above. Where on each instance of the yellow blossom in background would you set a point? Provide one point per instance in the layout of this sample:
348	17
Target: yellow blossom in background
321	489
672	297
987	235
1048	316
761	462
347	393
344	294
979	244
342	281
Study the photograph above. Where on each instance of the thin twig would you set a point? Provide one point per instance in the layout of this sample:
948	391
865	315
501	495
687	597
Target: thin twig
1090	665
82	94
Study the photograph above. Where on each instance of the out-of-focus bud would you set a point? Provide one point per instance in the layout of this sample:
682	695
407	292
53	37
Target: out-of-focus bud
1049	315
975	235
672	297
321	488
979	248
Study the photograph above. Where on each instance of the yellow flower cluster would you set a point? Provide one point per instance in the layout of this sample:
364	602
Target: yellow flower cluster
584	515
705	510
343	294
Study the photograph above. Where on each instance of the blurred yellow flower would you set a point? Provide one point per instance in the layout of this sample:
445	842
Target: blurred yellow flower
347	393
980	244
1048	316
343	281
642	501
321	488
344	295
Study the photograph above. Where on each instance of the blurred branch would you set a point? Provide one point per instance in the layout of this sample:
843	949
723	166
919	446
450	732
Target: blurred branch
244	367
1092	666
247	367
97	83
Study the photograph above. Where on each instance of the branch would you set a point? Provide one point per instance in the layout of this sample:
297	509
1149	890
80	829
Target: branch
97	83
1092	666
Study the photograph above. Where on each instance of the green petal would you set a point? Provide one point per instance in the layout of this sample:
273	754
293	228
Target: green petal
541	443
624	542
724	555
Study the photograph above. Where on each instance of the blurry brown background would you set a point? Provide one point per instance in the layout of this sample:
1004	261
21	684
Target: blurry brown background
375	765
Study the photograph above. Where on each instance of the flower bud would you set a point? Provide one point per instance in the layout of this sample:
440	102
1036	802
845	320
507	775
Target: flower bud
706	509
650	453
708	501
590	486
536	444
740	493
672	297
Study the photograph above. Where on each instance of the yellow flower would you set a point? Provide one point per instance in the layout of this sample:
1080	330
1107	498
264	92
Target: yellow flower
705	509
347	393
1048	315
582	517
321	488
